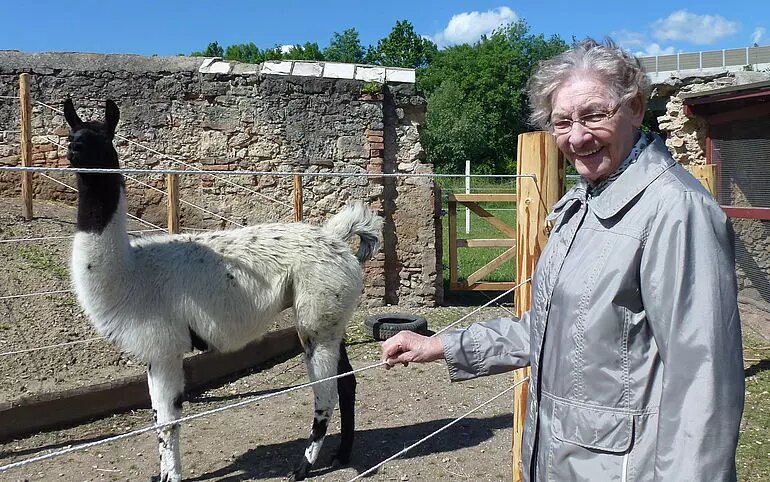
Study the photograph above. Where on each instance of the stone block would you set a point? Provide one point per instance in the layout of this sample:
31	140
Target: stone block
276	67
370	74
336	70
307	69
400	75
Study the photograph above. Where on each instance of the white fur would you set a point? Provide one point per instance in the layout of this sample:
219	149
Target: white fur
145	294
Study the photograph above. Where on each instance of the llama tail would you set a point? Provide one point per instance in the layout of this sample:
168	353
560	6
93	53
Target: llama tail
357	219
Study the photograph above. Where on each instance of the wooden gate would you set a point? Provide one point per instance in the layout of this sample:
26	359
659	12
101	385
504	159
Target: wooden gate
474	281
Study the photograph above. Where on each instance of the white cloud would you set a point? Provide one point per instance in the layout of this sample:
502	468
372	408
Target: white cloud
628	39
756	37
654	49
285	49
468	27
692	28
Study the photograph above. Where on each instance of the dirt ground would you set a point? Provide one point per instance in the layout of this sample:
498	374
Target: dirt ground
262	441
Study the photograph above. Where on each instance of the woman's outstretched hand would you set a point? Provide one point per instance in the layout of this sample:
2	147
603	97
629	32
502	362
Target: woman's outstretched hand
406	346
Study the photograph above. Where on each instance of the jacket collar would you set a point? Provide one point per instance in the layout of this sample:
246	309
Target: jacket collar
652	162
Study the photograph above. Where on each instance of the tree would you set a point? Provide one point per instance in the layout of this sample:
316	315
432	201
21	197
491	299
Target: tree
345	47
213	50
249	53
309	51
477	100
402	48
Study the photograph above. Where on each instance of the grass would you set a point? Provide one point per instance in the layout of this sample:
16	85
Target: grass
470	260
40	259
753	455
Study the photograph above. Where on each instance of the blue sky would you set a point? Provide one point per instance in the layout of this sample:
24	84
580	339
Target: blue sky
171	27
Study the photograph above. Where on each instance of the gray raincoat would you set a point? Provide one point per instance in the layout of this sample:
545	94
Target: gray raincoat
634	336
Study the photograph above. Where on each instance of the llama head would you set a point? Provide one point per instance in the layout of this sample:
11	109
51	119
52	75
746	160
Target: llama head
91	142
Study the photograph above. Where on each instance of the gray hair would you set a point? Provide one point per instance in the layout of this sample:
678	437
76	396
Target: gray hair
622	72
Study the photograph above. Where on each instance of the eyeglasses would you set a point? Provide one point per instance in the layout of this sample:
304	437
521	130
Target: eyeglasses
589	121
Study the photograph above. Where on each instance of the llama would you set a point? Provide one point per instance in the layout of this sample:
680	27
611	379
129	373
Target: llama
158	297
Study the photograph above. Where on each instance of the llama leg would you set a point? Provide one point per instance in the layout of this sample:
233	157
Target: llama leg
166	382
346	388
321	361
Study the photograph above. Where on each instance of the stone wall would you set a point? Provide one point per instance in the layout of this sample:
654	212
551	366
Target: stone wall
275	117
686	139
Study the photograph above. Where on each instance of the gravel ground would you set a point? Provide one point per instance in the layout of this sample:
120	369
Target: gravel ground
262	441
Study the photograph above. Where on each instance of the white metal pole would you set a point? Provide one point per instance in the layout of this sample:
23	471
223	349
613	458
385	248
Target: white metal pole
467	191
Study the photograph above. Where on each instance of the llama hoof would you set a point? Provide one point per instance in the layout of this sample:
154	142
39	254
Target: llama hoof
300	473
340	460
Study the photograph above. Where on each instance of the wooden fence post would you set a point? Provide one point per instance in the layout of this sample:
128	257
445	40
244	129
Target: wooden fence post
538	156
297	198
172	188
25	108
706	174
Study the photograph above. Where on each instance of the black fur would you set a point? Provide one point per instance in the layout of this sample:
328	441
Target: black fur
346	390
197	342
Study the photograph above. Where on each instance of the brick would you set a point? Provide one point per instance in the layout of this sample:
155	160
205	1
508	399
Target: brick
373	132
375	153
375	138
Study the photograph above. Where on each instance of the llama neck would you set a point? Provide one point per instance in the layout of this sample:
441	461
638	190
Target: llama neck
99	198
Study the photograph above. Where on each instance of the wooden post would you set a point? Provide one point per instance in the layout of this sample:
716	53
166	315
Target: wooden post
452	207
706	174
297	198
25	108
538	156
172	187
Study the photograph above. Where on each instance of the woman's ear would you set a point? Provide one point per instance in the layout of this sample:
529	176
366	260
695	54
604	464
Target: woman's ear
637	106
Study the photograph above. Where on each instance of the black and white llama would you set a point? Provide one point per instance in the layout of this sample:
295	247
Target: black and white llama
158	297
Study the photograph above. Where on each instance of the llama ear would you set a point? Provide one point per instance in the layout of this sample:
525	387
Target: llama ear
71	116
111	116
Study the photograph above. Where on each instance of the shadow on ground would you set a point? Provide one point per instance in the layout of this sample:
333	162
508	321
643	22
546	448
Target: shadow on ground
371	447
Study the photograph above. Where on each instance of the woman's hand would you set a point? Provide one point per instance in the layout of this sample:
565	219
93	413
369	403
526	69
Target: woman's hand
407	346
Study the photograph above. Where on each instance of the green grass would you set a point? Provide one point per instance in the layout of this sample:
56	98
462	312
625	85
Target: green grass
470	260
40	259
753	455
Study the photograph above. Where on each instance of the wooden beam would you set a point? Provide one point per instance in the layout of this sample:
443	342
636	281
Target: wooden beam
482	197
297	198
486	243
491	219
706	174
25	107
484	286
452	207
537	155
491	266
172	207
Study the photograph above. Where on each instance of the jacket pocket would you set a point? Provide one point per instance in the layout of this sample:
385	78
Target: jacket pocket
589	443
593	427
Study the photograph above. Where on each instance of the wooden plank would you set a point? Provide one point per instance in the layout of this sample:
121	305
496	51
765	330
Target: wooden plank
297	198
25	108
537	155
463	198
172	207
491	219
491	266
452	242
706	174
485	286
485	243
48	411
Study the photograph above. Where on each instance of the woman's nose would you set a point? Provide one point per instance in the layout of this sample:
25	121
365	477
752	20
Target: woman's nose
579	135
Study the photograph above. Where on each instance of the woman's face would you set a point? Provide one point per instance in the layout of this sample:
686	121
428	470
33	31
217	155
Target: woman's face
596	151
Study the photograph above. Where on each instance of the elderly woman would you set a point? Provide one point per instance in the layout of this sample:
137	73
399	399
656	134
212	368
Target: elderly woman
634	336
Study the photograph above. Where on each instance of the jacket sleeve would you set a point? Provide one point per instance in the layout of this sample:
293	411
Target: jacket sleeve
690	296
487	348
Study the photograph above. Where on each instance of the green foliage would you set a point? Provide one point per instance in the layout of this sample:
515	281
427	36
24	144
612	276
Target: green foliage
402	48
248	53
213	50
309	51
40	259
371	88
477	102
345	47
